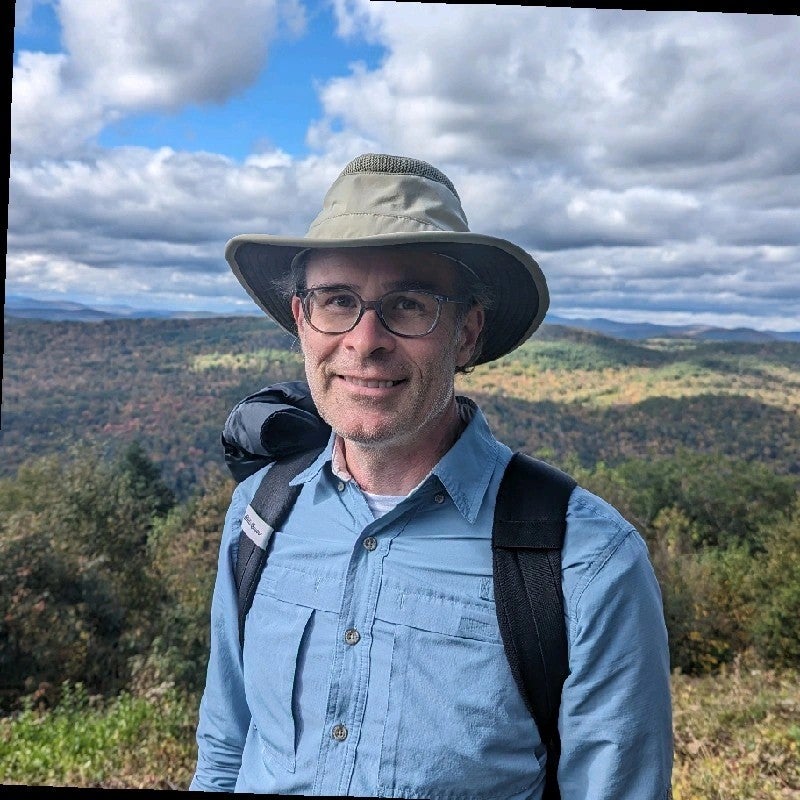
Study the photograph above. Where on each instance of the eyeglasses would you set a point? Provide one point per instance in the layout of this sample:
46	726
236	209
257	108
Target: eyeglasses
408	312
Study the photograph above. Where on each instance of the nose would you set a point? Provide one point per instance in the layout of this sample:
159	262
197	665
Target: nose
369	335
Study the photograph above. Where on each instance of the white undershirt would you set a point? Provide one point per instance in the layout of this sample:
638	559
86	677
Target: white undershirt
379	504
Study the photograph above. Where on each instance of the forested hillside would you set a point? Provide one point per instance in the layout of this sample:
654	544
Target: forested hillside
565	394
118	381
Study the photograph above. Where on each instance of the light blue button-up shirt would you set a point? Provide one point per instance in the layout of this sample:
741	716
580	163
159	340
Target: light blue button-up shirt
373	663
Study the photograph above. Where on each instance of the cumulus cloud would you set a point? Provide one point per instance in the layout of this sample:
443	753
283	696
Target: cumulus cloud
682	282
149	214
121	57
160	287
136	56
609	95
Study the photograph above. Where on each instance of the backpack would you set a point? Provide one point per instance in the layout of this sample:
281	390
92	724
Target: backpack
280	425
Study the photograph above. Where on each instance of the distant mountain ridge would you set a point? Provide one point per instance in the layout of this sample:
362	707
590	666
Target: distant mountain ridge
19	307
649	330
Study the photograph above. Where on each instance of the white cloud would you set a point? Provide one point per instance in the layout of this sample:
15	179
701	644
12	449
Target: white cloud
122	57
137	56
680	282
45	117
131	216
48	277
607	94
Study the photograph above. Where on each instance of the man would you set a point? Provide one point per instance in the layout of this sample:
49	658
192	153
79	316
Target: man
372	662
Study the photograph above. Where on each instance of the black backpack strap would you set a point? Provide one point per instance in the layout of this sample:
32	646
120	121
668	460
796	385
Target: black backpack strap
529	528
268	509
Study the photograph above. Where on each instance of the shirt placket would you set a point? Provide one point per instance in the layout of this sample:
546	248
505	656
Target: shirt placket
347	694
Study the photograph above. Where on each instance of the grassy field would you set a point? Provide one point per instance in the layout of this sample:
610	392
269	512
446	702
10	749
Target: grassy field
737	737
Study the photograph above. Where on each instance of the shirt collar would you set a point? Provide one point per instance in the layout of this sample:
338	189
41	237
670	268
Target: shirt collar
311	471
464	471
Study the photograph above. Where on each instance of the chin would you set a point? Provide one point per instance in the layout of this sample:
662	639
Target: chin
367	435
366	427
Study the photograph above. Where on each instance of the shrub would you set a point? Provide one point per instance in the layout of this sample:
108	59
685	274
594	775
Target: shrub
705	612
130	742
77	596
184	549
773	583
723	539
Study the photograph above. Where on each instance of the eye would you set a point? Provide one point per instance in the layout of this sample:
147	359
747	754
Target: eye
342	301
409	303
335	300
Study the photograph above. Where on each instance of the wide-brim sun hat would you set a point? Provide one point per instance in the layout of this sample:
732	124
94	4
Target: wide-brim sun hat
384	200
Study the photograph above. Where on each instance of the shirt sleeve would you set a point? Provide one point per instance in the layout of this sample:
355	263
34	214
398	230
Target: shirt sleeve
224	717
616	714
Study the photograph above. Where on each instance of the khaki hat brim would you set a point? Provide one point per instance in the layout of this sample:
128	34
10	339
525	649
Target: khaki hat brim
520	291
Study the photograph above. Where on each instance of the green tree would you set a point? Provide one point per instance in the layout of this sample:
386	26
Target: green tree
184	550
77	594
773	585
145	481
725	501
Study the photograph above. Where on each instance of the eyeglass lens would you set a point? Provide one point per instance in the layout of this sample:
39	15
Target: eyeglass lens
407	313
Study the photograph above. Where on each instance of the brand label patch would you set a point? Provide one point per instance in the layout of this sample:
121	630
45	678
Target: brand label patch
256	529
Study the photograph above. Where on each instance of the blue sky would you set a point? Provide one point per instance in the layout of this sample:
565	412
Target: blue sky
650	161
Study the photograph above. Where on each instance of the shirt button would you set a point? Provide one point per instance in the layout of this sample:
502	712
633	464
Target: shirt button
339	732
352	636
370	543
340	486
439	497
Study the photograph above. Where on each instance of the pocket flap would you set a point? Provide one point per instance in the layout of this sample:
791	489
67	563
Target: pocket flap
319	591
437	613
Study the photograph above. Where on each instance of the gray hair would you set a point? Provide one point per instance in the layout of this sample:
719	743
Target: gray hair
295	278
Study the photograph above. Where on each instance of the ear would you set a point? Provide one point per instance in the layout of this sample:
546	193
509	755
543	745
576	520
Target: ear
297	312
468	335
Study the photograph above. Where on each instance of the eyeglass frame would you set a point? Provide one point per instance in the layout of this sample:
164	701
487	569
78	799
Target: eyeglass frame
366	305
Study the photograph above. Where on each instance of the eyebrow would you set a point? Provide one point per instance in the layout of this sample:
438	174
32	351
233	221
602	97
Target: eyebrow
331	287
428	286
392	286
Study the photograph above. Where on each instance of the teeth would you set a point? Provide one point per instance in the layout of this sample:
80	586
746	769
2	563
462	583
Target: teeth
371	384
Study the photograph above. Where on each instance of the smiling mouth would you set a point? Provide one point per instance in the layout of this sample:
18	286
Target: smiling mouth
369	383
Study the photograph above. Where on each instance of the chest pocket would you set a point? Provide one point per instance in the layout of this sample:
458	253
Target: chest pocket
453	707
438	614
288	605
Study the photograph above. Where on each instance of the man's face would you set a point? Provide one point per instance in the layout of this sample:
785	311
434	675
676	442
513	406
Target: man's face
371	386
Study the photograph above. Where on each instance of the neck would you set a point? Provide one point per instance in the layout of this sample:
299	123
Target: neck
395	468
